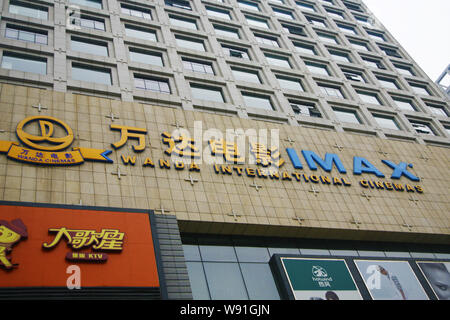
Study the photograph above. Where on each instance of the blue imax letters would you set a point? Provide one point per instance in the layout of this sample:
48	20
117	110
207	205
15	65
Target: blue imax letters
360	165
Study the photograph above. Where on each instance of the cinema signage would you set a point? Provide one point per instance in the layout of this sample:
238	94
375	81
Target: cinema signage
114	248
47	148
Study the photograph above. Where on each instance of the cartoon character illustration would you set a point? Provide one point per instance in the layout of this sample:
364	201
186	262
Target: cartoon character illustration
10	234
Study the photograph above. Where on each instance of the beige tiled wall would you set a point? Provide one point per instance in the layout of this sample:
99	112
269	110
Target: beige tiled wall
206	206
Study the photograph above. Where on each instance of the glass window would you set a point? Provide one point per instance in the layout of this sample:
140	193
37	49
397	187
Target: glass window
225	281
422	127
359	45
136	12
257	22
24	63
278	61
353	75
283	14
327	38
91	74
183	22
191	252
297	30
148	57
388	83
386	122
371	98
259	281
246	75
317	68
197	66
217	253
305	6
331	91
97	4
404	70
290	83
305	48
335	14
347	29
227	32
152	84
252	254
182	4
340	56
90	23
267	41
437	110
197	45
257	101
206	93
419	89
317	22
376	36
26	34
198	281
218	13
248	5
236	52
28	10
348	116
404	104
305	109
136	32
374	63
89	46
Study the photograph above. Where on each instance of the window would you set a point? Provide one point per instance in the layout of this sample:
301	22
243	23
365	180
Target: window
283	14
331	91
386	122
374	63
317	22
327	38
290	83
226	31
266	40
359	45
182	4
348	116
369	97
257	101
278	61
364	20
144	34
340	56
248	5
404	104
183	22
89	46
260	23
197	66
305	6
89	23
447	128
151	84
437	109
206	93
305	48
376	36
353	75
404	69
97	4
148	57
91	74
392	52
189	43
422	127
28	10
136	11
353	6
24	63
388	83
317	68
246	75
420	89
236	52
347	29
26	34
335	13
305	108
296	30
218	13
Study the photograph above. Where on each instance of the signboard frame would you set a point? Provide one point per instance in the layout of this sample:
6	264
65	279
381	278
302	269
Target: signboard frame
88	292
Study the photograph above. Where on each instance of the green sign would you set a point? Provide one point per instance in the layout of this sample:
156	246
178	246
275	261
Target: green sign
320	279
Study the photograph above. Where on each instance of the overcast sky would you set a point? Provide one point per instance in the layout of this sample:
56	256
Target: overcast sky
421	27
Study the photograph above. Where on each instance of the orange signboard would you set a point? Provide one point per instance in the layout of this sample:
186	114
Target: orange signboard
36	241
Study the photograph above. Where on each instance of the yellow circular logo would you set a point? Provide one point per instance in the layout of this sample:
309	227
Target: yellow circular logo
47	130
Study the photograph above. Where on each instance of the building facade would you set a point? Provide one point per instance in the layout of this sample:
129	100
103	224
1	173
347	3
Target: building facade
265	140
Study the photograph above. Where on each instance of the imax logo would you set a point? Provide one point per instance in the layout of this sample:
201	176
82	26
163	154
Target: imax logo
360	164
